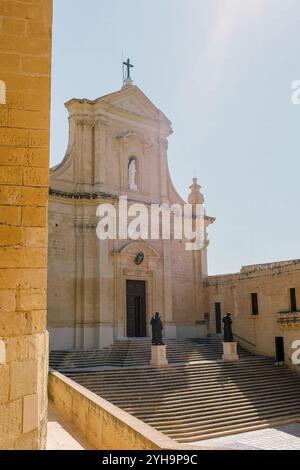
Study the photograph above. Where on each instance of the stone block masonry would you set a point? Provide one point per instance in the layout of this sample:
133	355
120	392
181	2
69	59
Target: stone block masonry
25	71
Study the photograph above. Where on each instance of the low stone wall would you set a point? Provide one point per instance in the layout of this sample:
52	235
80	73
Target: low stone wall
105	426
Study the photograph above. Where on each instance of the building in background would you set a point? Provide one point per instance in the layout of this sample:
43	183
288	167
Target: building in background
264	302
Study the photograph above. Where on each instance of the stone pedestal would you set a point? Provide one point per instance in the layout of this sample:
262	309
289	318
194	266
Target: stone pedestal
230	352
158	356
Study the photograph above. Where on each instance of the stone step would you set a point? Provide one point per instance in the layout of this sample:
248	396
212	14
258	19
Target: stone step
233	425
168	403
263	424
194	381
222	411
144	410
126	353
195	370
218	417
206	404
188	395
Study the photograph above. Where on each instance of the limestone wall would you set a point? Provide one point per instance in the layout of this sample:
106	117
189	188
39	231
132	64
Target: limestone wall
25	62
272	283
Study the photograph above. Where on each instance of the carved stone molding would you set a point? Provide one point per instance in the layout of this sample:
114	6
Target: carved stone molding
137	272
206	243
164	144
84	122
123	136
130	135
100	122
83	227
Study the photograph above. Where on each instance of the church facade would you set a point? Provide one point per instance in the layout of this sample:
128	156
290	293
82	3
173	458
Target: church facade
100	291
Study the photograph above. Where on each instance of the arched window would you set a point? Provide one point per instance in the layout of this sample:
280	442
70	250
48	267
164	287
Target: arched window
2	92
132	174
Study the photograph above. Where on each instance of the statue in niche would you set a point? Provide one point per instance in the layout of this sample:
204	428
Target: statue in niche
132	175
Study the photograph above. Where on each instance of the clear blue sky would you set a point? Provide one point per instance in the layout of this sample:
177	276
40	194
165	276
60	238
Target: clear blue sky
222	72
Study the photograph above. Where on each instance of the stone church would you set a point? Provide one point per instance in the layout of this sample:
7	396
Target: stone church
97	293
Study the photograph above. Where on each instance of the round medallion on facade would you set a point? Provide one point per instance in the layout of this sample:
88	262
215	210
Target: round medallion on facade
139	258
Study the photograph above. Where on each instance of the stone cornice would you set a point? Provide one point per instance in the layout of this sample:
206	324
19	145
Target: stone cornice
232	279
269	266
79	195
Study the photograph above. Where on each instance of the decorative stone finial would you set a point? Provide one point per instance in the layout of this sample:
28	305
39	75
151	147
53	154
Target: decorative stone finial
127	83
195	196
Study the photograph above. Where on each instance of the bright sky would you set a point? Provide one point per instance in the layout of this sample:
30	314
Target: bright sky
222	71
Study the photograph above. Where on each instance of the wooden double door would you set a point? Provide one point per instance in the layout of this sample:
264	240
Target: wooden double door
136	308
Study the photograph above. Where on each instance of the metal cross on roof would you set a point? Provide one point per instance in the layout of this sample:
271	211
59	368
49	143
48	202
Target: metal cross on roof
129	66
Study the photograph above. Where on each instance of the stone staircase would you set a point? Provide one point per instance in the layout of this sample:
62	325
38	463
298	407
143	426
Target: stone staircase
199	401
136	352
197	396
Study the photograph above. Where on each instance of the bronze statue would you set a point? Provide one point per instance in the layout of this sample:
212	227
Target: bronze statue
228	337
157	328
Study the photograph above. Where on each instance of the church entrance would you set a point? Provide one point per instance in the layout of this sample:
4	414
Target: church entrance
136	308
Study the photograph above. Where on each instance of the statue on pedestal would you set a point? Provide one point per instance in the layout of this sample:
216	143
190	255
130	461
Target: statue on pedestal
157	328
228	337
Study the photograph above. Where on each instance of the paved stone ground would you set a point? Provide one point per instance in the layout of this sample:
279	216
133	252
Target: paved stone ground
278	438
62	435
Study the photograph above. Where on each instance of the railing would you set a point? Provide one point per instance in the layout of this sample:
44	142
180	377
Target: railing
243	339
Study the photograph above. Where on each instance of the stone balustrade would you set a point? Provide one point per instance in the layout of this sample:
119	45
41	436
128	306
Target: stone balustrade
289	318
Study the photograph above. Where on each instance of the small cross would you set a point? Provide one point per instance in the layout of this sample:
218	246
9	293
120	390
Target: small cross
128	65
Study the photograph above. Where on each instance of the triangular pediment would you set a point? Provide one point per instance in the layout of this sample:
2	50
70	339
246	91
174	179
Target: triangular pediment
134	101
132	105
